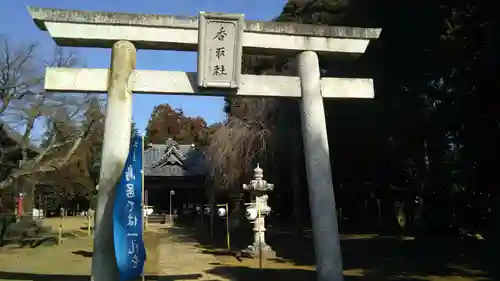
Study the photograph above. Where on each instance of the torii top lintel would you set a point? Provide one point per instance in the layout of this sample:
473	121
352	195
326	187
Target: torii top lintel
164	32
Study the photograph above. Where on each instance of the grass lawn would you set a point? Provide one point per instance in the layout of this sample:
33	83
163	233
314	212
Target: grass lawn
69	262
69	224
365	257
376	260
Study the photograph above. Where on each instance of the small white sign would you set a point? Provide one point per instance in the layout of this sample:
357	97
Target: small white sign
219	50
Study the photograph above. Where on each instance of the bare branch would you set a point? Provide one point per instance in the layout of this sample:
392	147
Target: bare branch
25	106
38	163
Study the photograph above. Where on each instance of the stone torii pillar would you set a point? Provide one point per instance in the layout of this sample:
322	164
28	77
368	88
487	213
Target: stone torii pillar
160	32
115	150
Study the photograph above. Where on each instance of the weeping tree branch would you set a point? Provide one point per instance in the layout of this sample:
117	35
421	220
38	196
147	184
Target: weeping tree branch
236	145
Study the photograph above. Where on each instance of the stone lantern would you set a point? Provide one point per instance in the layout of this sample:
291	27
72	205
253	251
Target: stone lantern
258	188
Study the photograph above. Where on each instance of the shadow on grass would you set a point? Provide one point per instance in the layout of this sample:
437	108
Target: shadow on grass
45	239
57	277
242	273
31	242
371	256
267	274
85	254
218	252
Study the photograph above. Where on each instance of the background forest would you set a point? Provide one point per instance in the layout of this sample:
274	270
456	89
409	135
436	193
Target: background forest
420	157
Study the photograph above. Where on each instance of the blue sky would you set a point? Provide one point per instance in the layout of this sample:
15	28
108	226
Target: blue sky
16	24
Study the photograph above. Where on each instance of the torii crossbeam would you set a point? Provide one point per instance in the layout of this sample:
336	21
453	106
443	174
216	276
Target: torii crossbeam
125	32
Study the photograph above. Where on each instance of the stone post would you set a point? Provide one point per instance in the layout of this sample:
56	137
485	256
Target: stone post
258	188
319	175
115	149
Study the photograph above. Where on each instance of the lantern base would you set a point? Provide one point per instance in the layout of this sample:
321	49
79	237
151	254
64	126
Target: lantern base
253	251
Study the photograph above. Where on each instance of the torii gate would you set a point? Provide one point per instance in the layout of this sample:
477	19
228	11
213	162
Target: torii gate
125	32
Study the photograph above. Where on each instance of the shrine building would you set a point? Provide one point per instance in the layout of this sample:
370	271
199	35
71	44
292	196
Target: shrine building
174	167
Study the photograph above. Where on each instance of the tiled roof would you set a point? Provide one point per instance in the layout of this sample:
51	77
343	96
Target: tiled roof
173	160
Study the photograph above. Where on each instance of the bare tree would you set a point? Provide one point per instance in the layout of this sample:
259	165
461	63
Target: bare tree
49	127
18	72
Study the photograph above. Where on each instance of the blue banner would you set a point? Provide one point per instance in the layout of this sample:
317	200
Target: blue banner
127	216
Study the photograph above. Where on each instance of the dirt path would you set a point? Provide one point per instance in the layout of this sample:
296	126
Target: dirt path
183	260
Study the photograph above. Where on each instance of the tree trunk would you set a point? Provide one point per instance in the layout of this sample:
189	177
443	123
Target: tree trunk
211	200
237	218
440	182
